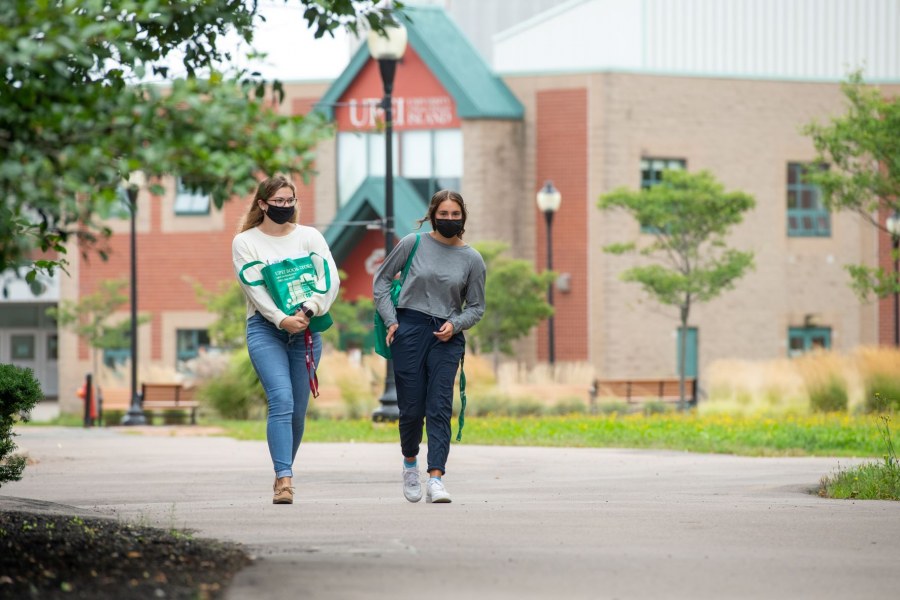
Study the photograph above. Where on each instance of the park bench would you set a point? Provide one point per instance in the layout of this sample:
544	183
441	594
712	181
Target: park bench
155	397
646	390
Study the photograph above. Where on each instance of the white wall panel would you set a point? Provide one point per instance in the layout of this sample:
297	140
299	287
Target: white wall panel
795	39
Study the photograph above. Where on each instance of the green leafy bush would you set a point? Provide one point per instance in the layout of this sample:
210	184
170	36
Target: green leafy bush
829	396
19	392
237	393
882	393
569	406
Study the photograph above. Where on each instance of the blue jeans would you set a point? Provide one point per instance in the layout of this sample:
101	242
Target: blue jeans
280	362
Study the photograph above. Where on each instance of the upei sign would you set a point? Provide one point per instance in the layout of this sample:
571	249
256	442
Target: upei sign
413	112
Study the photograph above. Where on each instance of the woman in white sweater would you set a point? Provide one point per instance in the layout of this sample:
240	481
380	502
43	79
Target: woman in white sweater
277	341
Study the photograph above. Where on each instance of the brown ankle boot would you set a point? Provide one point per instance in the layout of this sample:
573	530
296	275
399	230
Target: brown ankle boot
283	494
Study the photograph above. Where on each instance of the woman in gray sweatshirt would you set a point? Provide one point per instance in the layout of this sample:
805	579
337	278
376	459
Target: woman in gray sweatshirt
443	295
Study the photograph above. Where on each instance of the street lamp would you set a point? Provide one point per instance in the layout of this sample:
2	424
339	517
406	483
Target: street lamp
893	226
548	200
388	48
135	414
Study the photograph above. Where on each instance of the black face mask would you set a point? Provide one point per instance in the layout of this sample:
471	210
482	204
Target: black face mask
281	214
448	227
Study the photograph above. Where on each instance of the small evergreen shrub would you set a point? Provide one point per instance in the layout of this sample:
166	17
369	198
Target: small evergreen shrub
19	392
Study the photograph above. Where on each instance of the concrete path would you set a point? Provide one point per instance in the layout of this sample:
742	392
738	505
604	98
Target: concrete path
524	523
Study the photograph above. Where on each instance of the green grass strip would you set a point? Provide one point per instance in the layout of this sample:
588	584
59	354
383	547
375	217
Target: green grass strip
819	435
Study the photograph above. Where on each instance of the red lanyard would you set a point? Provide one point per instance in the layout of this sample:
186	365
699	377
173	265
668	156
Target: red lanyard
311	364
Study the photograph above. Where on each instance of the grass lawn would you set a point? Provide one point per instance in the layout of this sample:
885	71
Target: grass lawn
822	435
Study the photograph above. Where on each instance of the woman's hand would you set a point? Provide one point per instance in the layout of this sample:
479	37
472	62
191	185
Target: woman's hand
390	333
445	332
295	323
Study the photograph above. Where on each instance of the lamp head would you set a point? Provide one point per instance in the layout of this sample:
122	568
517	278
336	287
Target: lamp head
389	45
548	198
892	224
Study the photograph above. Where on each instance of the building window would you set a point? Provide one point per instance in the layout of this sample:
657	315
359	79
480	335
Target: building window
430	160
190	201
189	344
653	168
806	339
806	212
652	174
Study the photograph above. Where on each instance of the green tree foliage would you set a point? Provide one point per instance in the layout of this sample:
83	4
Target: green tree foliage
89	318
19	392
78	115
515	301
689	216
862	151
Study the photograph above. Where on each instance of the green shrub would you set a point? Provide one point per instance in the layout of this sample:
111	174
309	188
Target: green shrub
19	392
882	393
656	407
829	396
237	393
569	406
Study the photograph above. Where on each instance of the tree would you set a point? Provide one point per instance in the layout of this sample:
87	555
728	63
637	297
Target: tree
229	305
89	319
78	116
19	392
862	151
689	216
515	301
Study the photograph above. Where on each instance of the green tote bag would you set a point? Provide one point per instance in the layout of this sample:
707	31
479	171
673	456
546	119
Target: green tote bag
291	282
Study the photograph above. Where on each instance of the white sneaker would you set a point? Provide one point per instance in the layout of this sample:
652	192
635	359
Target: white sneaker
412	487
436	491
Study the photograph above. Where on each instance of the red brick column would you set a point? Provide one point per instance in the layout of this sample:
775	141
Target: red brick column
562	156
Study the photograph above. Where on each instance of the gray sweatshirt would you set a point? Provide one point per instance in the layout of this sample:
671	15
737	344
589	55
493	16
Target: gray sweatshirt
444	281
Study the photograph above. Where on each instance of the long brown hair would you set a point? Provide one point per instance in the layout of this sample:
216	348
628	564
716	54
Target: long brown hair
436	201
265	191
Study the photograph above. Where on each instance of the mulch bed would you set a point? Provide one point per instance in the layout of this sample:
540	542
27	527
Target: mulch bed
65	556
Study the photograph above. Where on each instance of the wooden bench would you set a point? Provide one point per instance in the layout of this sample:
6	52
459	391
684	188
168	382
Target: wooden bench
155	397
646	390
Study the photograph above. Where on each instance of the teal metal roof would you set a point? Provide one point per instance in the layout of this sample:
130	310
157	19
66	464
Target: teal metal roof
367	204
478	93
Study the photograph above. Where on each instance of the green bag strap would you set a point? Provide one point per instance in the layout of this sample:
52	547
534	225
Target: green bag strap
327	274
247	266
409	260
462	397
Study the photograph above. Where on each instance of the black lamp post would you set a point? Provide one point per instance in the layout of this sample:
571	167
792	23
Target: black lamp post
388	48
135	415
548	200
893	226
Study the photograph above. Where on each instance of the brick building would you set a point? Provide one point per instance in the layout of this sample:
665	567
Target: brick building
720	85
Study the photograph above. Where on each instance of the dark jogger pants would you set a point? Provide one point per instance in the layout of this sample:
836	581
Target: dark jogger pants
425	370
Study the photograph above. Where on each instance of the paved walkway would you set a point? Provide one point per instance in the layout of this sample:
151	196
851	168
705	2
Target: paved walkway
525	522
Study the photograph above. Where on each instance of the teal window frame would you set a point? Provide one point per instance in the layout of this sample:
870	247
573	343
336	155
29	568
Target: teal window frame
805	339
806	212
652	169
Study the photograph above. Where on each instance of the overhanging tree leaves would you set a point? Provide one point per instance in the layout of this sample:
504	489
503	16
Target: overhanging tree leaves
689	216
77	116
862	150
515	301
